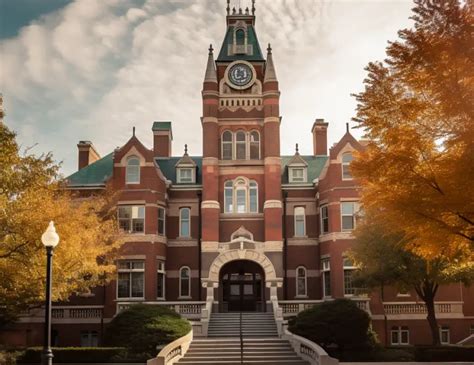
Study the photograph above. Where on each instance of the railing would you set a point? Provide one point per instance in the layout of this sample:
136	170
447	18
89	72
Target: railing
173	351
308	350
291	308
190	310
278	314
404	308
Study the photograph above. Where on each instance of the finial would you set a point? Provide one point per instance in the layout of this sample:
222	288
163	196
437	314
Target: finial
133	131
253	7
347	127
228	7
247	10
269	49
233	10
185	149
210	49
297	151
240	11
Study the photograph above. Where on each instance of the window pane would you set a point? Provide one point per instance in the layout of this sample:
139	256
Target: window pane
94	339
348	288
404	337
347	208
125	212
123	285
240	151
137	284
124	224
241	201
394	337
327	283
184	213
160	288
254	146
138	265
161	221
301	287
228	199
253	199
347	157
184	228
240	37
227	151
348	222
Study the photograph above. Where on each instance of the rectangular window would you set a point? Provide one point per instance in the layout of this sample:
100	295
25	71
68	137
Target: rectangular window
132	218
240	196
185	222
89	339
300	229
228	207
444	335
131	279
185	175
297	175
348	273
326	275
348	215
161	221
253	200
160	279
324	219
399	335
185	282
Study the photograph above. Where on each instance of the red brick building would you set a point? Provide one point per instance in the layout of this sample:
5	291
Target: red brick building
241	226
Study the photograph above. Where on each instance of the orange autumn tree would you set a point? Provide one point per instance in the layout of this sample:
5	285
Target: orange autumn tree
417	110
30	196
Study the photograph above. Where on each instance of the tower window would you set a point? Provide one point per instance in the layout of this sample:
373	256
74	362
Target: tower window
227	145
240	37
241	196
346	161
132	218
254	145
132	175
131	279
324	219
240	145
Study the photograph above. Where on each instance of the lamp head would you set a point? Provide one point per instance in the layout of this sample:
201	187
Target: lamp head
50	238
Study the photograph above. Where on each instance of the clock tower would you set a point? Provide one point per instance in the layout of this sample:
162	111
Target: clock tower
241	142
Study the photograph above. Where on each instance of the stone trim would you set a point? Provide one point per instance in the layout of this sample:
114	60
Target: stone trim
210	161
272	120
209	246
334	236
304	241
209	120
272	204
183	242
137	237
210	204
272	160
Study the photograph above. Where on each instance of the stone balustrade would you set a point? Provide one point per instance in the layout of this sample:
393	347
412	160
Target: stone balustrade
189	310
291	308
418	309
172	352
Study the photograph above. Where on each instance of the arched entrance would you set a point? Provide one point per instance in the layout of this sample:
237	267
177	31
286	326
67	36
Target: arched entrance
242	287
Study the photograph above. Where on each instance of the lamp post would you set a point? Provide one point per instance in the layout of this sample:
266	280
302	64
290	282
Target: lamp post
50	240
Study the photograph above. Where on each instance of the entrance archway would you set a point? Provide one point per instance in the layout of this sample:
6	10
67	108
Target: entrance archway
242	287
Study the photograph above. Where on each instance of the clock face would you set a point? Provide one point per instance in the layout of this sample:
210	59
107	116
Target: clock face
240	74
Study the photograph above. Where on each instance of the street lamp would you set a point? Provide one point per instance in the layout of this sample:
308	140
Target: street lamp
50	240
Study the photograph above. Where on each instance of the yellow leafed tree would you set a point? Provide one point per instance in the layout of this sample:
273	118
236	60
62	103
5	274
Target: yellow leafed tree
417	110
30	196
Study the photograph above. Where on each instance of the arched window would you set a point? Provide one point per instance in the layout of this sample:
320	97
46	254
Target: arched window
132	175
185	222
241	196
240	37
301	282
185	282
254	145
300	222
228	200
253	196
240	145
227	145
346	161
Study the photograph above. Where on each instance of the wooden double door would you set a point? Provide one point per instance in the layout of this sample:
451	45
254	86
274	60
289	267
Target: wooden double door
243	287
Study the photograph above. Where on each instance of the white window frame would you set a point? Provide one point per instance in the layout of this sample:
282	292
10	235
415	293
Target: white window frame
130	271
181	222
161	269
161	209
321	209
345	165
348	267
353	215
236	143
444	330
291	175
297	213
128	175
326	268
305	278
190	180
250	144
231	143
398	330
240	184
131	219
181	285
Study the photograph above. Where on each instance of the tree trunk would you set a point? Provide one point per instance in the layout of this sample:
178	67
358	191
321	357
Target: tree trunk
427	292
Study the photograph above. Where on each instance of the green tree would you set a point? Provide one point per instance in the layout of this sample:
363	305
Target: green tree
383	260
417	111
31	195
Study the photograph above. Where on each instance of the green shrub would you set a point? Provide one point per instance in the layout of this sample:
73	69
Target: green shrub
76	355
338	323
378	354
444	353
142	328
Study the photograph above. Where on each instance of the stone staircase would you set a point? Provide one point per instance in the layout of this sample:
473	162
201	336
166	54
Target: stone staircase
258	345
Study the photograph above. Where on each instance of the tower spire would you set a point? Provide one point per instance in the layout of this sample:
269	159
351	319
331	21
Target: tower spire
211	75
270	73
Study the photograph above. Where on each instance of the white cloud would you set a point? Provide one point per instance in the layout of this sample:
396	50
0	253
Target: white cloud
96	68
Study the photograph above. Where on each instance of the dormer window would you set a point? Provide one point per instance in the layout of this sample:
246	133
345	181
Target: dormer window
132	170
346	161
297	174
186	175
297	169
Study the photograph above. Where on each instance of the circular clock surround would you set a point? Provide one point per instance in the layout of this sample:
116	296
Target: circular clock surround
240	75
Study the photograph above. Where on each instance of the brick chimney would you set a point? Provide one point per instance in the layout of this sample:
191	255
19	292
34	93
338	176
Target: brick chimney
320	137
162	138
87	154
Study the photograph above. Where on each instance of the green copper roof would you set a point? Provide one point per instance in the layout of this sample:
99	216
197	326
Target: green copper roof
168	167
96	174
161	126
315	166
252	40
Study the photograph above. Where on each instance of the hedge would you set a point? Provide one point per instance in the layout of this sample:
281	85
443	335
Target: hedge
444	353
76	355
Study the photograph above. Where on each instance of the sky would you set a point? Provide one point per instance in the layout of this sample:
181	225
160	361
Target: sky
74	70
